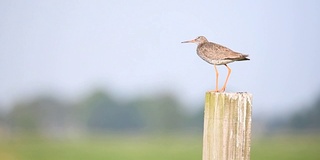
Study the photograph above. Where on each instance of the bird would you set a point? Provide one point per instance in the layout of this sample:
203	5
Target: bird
217	54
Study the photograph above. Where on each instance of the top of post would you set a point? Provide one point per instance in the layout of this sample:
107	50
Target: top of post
230	94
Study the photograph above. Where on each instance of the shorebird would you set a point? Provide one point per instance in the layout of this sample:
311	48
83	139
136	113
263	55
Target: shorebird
217	54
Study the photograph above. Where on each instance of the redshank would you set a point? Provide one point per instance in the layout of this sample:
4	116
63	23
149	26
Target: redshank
217	54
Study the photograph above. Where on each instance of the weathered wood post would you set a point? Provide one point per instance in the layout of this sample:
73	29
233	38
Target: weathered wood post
227	126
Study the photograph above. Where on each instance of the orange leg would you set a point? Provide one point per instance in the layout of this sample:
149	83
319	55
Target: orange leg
225	83
217	75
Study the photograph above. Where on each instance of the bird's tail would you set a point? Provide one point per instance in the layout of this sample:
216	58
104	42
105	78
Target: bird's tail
243	57
239	57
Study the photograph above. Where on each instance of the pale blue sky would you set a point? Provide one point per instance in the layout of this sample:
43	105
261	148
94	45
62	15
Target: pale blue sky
133	48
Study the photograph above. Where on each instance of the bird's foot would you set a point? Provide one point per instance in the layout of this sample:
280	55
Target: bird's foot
222	89
216	90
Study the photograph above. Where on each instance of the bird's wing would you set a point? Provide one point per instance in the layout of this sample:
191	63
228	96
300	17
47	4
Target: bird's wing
214	51
226	53
238	57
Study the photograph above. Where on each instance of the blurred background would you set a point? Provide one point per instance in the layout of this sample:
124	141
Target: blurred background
111	80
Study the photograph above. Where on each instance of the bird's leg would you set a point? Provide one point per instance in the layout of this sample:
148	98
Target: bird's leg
217	75
225	83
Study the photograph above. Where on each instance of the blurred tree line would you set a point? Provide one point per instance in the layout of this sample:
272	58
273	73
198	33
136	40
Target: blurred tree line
304	120
308	118
100	113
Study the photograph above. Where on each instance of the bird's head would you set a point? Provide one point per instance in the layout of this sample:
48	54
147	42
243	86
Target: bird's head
198	40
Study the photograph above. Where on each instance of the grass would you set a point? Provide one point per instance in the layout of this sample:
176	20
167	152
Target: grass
286	148
147	148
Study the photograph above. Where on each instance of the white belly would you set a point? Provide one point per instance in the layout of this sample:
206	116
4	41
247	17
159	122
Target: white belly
217	61
220	62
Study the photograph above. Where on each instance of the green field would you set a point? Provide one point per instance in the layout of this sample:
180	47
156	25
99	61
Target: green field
151	148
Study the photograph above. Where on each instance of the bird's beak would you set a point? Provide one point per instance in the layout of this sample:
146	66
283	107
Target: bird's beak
191	41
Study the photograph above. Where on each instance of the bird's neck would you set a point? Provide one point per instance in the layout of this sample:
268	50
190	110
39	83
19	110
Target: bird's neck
201	44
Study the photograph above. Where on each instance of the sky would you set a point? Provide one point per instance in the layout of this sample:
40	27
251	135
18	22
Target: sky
133	48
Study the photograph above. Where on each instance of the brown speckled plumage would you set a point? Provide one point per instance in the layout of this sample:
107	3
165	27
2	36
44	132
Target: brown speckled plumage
217	54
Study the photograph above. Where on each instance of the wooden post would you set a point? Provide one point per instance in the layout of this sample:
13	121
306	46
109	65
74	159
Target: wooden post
227	126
